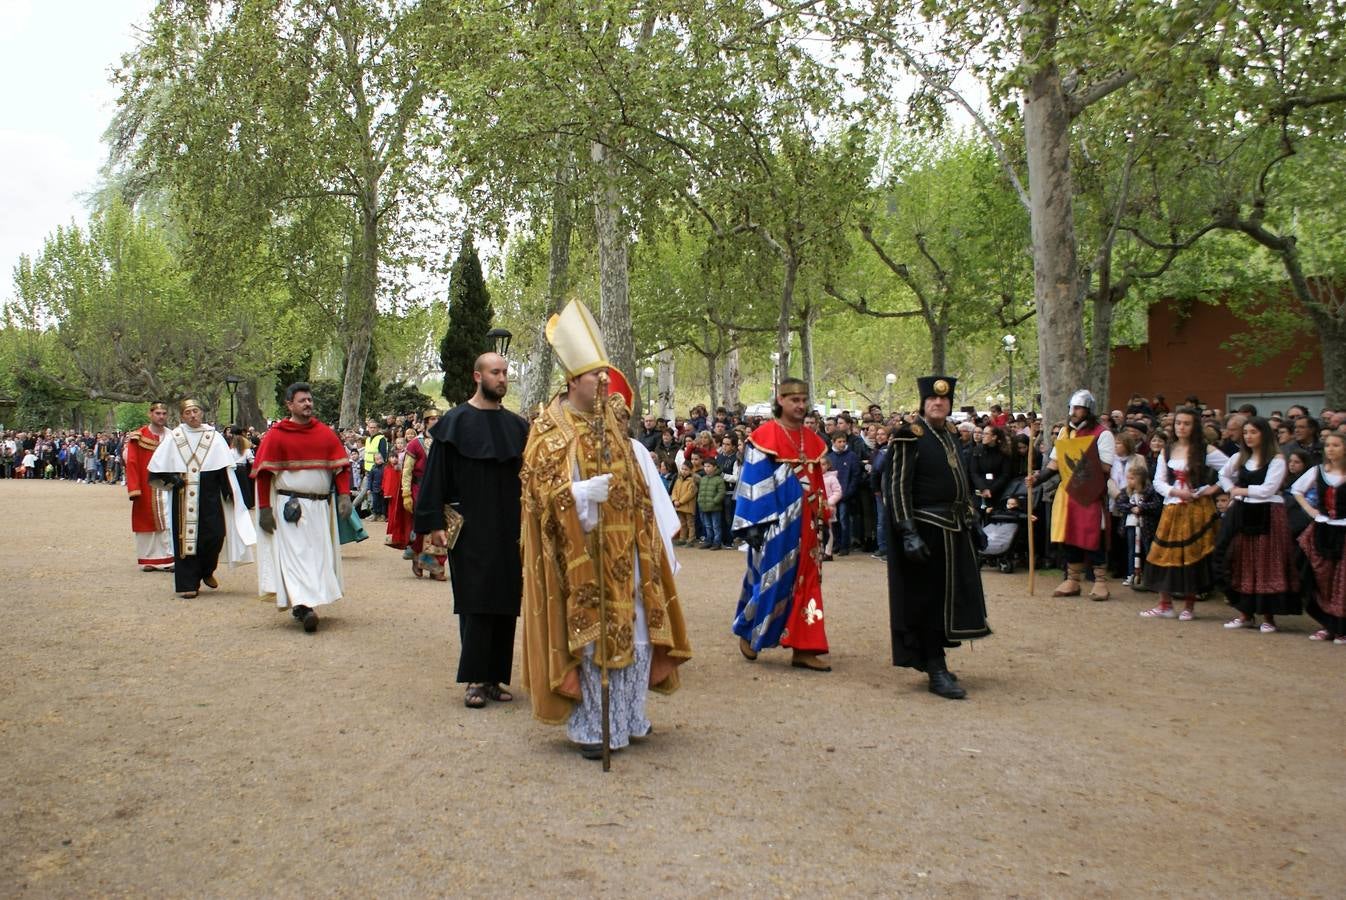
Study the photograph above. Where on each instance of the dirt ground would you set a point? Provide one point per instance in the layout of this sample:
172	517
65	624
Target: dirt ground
156	746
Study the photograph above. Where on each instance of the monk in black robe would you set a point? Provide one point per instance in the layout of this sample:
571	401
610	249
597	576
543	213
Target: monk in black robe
473	467
935	597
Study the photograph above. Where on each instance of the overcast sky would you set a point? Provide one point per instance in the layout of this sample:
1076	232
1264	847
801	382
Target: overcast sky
54	105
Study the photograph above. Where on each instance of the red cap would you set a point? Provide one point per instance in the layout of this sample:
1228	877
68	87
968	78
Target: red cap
617	384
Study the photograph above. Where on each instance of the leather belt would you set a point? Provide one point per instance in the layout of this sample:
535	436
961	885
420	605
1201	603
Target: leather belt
302	496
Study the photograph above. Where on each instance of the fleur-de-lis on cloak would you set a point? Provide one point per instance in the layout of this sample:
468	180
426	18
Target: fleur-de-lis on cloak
813	612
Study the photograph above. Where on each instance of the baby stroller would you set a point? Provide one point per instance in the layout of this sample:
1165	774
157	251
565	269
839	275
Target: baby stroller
1006	527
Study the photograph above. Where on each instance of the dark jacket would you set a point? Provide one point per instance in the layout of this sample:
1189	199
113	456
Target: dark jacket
1151	506
991	470
850	472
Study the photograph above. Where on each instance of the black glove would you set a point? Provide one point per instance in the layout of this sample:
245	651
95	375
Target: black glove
266	520
978	536
912	546
755	536
344	506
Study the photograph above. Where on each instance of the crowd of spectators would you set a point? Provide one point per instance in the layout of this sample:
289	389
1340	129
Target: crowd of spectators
86	457
699	458
706	448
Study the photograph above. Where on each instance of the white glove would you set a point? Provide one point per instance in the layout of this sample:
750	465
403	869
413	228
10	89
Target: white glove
591	490
1320	519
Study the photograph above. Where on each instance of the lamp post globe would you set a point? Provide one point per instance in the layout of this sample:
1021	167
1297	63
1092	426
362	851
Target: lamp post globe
648	373
500	338
1009	342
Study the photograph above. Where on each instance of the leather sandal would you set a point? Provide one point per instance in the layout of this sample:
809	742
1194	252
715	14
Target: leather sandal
746	649
497	693
210	582
809	661
475	696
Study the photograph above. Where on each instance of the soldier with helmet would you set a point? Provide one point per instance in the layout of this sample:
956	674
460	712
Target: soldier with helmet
1083	454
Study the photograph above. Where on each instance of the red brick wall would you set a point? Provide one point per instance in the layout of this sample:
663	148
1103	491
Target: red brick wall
1184	357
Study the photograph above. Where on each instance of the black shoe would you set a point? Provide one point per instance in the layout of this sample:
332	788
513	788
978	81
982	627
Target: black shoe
310	622
299	612
945	685
843	553
591	751
714	547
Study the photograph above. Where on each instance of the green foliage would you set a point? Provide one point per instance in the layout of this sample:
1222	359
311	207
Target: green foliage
290	372
107	313
326	399
130	416
401	399
469	320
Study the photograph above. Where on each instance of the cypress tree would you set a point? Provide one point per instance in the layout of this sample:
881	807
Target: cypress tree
469	320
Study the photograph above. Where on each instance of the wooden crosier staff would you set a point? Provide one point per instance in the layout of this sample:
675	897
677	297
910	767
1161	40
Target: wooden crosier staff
1032	558
601	399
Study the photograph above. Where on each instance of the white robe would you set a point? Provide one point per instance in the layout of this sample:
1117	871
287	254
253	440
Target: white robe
300	564
240	533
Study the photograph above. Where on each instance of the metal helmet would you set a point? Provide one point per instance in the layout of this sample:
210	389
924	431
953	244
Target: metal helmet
1085	399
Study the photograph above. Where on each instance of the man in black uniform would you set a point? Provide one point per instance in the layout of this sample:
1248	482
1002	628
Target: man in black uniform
474	466
935	597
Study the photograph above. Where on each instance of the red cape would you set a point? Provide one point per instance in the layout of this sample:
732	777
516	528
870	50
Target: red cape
288	446
772	438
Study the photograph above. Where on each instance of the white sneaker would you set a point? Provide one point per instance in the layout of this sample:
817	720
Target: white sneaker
1126	582
1240	623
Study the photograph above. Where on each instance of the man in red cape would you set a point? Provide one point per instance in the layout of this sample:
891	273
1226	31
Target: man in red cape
149	504
301	466
780	508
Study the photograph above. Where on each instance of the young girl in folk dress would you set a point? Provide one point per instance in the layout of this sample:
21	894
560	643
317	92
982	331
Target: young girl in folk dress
1262	577
1322	541
399	520
1180	563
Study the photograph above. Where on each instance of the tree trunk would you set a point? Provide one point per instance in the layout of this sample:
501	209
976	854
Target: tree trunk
615	303
939	349
247	409
1332	335
536	389
787	299
362	328
806	352
1056	276
1100	344
733	380
664	400
712	377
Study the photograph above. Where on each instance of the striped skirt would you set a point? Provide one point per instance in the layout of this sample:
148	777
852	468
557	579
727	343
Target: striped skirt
1181	559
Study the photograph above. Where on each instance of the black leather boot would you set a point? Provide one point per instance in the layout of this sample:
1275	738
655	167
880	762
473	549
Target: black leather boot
944	684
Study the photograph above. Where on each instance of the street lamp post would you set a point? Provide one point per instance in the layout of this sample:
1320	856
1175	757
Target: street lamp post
500	338
831	401
649	388
1008	342
890	379
231	383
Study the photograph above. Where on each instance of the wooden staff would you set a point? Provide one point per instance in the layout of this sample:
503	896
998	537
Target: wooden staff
606	693
1032	557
